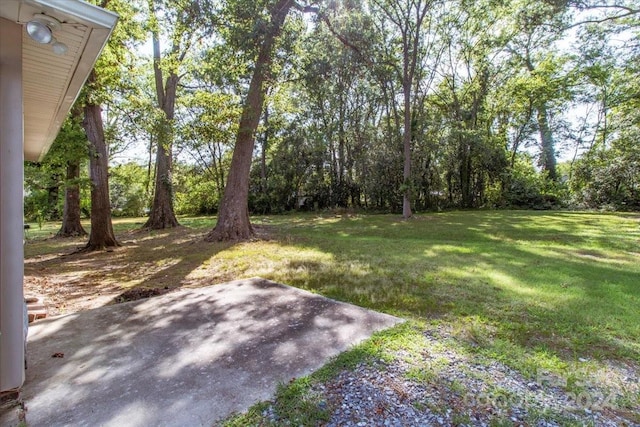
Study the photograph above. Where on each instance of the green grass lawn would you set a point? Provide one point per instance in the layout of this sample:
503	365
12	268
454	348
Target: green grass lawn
562	284
557	291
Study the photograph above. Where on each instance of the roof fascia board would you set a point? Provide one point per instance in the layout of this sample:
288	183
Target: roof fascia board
84	12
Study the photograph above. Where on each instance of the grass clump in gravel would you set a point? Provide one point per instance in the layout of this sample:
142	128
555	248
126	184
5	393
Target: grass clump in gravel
297	403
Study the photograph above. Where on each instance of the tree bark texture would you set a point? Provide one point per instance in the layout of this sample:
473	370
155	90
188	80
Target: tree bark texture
547	144
233	216
71	225
101	235
162	214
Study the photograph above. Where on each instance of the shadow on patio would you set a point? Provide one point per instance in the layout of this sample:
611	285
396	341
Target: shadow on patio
190	357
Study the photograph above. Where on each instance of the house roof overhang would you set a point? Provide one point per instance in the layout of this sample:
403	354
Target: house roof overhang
52	82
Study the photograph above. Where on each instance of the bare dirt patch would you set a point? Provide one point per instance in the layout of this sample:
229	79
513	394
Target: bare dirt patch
148	263
139	293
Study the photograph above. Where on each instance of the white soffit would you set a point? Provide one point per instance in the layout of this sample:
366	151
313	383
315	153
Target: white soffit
52	82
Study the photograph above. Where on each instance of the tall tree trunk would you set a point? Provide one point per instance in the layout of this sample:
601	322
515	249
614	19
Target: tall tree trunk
233	217
162	214
406	149
546	140
71	225
410	46
53	192
101	235
342	188
548	153
464	167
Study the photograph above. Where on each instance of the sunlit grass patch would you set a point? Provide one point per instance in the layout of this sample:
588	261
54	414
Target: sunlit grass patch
567	281
529	272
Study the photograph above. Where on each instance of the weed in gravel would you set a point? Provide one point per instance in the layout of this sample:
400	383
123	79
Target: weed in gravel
253	417
296	403
460	419
421	375
536	416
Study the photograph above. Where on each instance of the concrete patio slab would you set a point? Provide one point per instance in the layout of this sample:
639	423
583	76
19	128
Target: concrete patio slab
187	358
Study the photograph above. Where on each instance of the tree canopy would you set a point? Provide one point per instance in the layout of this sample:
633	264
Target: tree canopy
278	105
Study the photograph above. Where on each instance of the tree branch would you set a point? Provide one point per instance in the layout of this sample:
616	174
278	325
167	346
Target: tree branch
624	12
311	8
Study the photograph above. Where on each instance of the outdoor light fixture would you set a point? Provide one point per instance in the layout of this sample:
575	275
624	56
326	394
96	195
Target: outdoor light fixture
41	29
59	48
39	32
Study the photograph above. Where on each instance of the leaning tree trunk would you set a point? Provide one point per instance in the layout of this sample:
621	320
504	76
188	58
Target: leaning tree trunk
101	235
233	217
71	225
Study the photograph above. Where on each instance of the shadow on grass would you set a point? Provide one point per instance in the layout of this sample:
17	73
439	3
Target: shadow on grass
538	281
560	282
147	263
